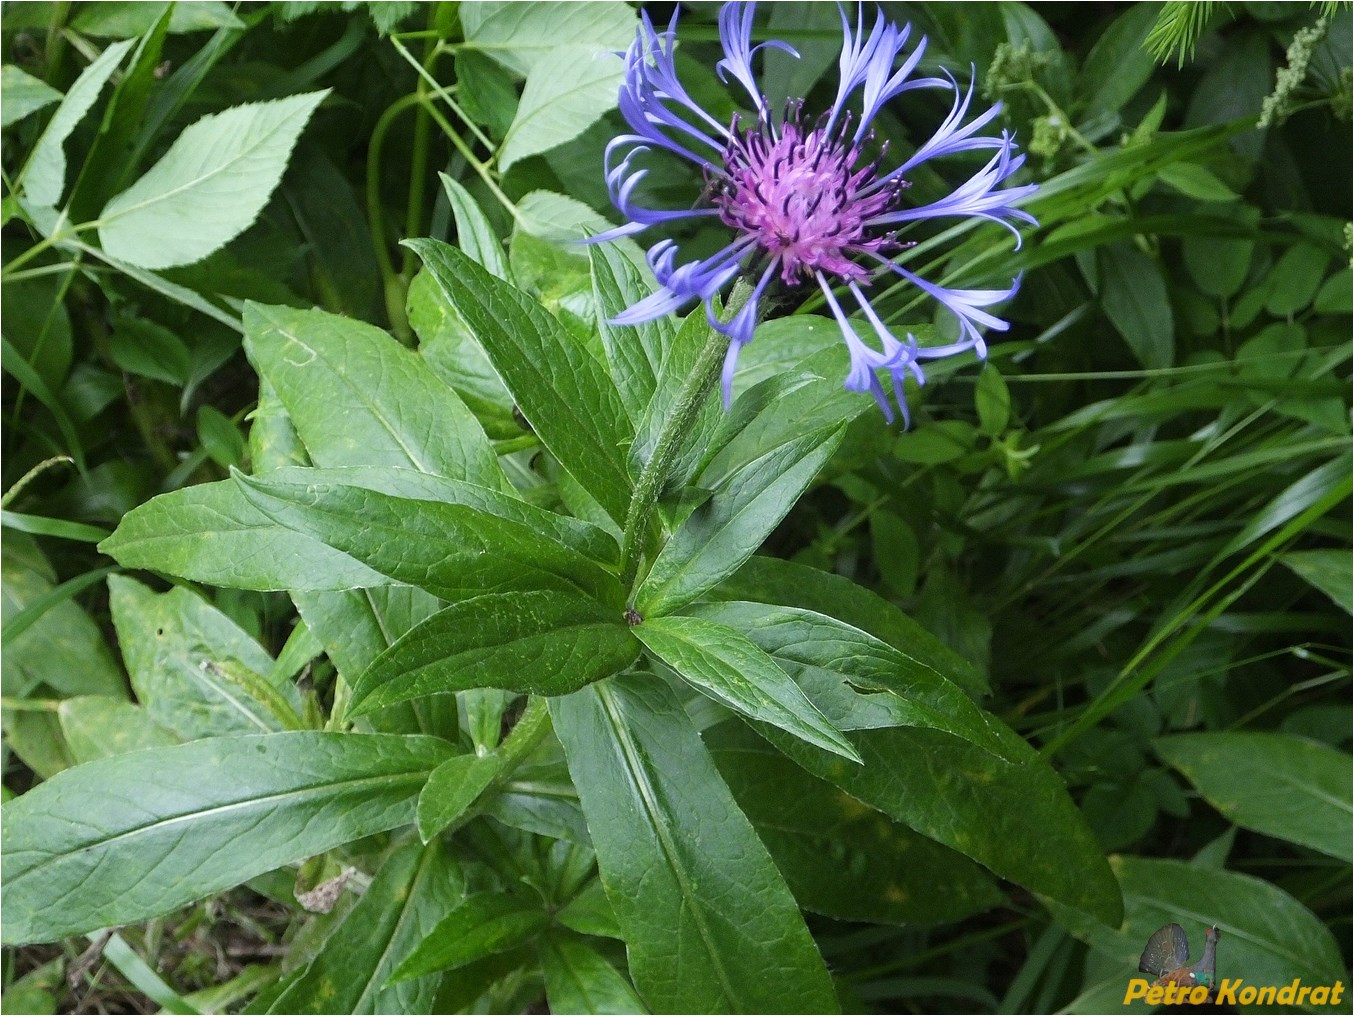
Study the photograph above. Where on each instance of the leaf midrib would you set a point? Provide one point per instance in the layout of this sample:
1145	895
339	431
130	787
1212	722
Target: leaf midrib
295	795
203	178
670	853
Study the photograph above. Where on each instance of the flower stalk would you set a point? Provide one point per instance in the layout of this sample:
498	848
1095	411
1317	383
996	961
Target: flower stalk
695	390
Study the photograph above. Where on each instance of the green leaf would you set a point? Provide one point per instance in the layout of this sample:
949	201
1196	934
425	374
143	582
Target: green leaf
577	979
542	642
61	648
724	664
1133	294
96	726
451	789
1286	787
143	347
1295	279
1330	571
831	660
993	402
635	353
479	926
213	533
356	626
415	888
520	37
209	187
453	551
542	800
44	176
28	614
776	581
567	90
787	406
41	526
192	668
896	552
1268	937
357	397
474	234
561	388
22	371
725	531
590	912
937	443
876	871
1194	181
221	439
562	220
127	20
24	94
458	359
1335	295
709	924
134	836
1218	265
1016	819
1118	65
124	132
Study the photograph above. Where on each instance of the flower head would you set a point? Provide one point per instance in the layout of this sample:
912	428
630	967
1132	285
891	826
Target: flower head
808	201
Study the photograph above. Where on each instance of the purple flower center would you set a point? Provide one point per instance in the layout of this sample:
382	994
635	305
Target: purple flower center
800	196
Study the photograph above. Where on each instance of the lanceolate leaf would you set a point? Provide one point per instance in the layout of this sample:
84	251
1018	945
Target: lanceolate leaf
357	397
561	388
634	353
727	666
776	581
474	234
414	889
825	654
170	825
479	926
213	533
194	670
880	871
709	924
454	551
209	187
1282	786
578	979
725	531
1015	818
45	175
451	789
542	642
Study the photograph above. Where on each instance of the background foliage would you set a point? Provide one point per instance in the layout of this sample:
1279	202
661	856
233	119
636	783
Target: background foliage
1125	538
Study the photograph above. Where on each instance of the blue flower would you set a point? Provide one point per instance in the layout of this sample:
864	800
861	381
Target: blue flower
807	201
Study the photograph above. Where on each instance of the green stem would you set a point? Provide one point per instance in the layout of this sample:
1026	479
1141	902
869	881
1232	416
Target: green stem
695	391
392	286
